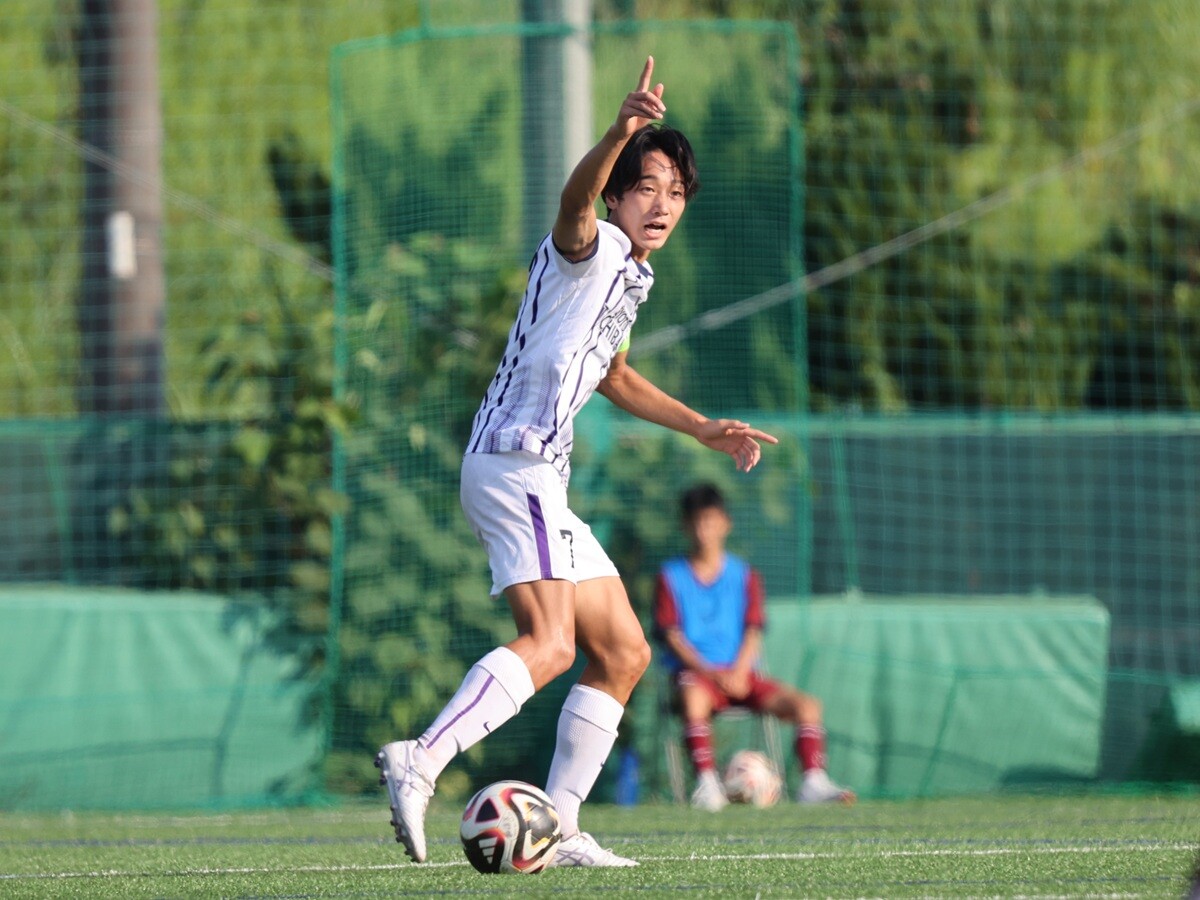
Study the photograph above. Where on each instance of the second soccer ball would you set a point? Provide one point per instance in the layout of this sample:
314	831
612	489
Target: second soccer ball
751	777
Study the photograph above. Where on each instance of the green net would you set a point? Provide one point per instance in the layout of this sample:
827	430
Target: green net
946	250
433	241
166	382
998	343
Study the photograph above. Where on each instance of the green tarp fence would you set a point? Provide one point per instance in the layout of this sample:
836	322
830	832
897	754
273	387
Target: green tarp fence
937	695
116	699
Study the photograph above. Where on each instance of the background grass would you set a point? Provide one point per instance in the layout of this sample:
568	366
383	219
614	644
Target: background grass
1012	846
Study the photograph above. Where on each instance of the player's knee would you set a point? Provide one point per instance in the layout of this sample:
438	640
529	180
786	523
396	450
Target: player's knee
642	657
560	657
695	707
548	658
808	710
631	660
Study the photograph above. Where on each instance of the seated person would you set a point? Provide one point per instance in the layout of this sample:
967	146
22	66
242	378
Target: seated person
709	614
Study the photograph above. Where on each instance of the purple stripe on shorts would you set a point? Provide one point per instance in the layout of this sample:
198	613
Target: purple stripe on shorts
483	690
539	533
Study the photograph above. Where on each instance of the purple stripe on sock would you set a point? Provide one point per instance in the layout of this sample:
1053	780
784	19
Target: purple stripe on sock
483	690
539	533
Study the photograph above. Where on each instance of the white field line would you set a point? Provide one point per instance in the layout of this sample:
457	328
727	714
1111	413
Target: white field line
691	857
1033	897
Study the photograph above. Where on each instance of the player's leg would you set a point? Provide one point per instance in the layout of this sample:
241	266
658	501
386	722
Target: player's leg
493	691
805	712
608	632
510	501
496	687
699	699
610	636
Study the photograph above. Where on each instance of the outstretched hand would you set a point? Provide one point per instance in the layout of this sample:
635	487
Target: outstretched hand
642	105
735	438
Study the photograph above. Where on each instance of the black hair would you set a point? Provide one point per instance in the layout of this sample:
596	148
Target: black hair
627	171
698	498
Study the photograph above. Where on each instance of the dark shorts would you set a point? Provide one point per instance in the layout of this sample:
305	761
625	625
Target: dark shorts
761	691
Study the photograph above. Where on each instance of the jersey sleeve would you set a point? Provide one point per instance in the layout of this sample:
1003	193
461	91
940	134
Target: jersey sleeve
756	607
609	252
666	611
574	268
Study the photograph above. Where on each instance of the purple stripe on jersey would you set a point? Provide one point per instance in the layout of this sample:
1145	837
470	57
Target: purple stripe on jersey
538	290
518	338
517	405
544	406
583	352
510	414
483	690
641	267
483	425
539	534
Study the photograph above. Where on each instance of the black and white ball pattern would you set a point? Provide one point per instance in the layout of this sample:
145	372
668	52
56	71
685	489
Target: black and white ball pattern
511	827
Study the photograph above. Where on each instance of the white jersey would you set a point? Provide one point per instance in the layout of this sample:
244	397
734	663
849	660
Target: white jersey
573	318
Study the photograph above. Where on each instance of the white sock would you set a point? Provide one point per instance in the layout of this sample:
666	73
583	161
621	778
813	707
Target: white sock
587	729
493	691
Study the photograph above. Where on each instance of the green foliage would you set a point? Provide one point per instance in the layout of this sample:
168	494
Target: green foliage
915	110
246	504
911	110
751	247
417	611
235	79
40	193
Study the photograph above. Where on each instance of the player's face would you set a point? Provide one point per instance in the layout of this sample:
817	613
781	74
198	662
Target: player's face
708	530
649	211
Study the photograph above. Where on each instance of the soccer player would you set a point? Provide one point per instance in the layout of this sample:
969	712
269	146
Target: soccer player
586	282
709	613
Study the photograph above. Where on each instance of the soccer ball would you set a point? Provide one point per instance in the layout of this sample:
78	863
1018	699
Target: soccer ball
510	826
752	778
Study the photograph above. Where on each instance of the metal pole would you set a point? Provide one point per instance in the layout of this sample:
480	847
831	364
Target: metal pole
124	287
577	82
557	109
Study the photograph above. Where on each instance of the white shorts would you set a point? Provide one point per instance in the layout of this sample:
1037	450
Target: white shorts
516	504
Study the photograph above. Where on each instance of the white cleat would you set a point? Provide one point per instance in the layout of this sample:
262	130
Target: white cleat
581	849
818	787
709	795
409	790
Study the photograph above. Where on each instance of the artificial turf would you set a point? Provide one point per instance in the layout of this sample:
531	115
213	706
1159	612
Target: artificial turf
999	846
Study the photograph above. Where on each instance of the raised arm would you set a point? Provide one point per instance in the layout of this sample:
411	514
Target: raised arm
636	395
575	228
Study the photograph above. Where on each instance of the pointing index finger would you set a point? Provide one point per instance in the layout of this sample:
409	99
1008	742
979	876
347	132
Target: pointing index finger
647	71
